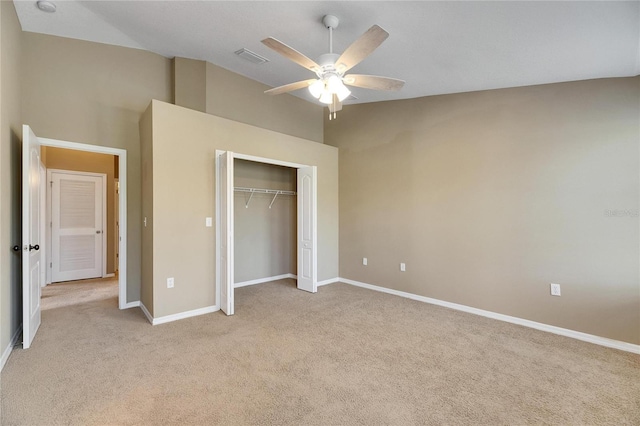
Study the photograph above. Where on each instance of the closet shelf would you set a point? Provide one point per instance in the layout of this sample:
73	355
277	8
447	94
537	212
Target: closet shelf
252	191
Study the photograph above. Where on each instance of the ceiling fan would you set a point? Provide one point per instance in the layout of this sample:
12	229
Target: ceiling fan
330	68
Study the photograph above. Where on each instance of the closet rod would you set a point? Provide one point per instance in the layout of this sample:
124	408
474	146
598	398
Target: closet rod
252	191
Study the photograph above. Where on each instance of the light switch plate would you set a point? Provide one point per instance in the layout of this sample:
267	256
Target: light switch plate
364	261
555	289
403	267
208	222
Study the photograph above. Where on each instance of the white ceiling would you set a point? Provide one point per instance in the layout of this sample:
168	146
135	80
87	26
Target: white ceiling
437	47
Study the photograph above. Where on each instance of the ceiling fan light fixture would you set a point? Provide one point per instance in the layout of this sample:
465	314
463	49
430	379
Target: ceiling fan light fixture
316	88
342	92
326	97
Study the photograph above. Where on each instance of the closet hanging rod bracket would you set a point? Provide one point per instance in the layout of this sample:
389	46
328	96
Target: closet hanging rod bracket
274	198
246	205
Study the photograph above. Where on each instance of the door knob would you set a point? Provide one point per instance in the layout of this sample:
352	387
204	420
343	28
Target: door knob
16	248
36	247
97	232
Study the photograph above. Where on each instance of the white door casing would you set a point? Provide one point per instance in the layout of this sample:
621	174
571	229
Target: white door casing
43	225
31	238
122	204
225	187
307	229
78	225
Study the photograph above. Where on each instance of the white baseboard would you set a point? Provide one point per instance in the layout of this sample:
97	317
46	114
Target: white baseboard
181	315
264	280
603	341
281	277
9	348
130	305
329	281
146	312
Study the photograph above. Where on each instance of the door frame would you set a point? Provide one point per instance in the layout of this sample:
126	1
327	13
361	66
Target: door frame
122	201
218	225
49	234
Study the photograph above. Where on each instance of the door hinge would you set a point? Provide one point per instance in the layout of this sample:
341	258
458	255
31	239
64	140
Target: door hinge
50	264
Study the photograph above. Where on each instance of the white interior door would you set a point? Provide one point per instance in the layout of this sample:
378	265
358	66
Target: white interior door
307	229
31	236
225	164
77	228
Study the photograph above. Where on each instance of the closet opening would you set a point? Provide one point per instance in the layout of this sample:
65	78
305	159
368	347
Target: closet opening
266	227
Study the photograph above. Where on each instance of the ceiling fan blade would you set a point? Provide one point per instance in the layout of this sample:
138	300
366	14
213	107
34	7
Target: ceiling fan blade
361	48
373	82
290	87
291	53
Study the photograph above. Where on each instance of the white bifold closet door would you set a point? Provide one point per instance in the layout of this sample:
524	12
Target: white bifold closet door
77	228
225	164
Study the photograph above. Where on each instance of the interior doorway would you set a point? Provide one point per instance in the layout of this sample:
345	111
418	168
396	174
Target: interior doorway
33	210
306	245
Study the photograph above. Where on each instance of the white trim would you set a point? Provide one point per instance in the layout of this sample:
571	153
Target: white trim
145	312
130	305
181	315
268	160
603	341
218	228
264	280
329	281
122	178
12	343
109	275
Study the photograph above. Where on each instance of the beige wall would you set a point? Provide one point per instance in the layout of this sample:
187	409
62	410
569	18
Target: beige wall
265	238
190	81
184	145
10	161
80	161
238	98
490	196
146	150
95	94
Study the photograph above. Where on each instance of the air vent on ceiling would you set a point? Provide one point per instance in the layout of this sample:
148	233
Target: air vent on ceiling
251	56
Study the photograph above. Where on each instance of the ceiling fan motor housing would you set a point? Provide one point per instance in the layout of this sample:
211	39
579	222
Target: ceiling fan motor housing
330	21
327	64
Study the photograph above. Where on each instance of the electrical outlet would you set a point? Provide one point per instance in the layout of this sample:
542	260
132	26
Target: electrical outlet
170	282
403	267
555	289
364	261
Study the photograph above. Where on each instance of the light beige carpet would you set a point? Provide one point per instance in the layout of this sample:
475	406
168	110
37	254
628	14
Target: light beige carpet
76	292
343	356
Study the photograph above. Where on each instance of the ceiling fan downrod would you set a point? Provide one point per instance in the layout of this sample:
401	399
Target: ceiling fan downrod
330	22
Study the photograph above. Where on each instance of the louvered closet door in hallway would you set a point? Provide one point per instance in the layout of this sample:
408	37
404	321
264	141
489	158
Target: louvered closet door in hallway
77	226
